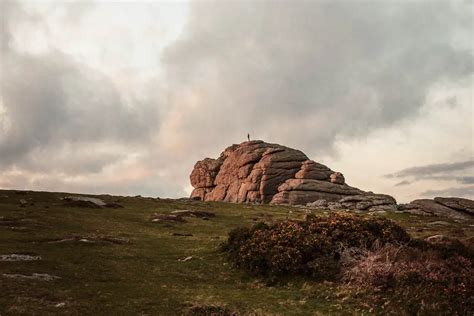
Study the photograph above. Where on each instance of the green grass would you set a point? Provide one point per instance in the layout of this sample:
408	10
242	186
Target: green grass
145	276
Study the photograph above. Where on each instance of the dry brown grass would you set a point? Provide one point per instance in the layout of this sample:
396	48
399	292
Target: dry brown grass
425	279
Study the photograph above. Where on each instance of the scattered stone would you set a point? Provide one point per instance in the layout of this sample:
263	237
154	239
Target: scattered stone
86	240
84	201
19	257
444	241
186	259
91	239
406	208
335	206
60	305
377	212
34	276
165	218
384	208
23	203
88	202
438	223
321	203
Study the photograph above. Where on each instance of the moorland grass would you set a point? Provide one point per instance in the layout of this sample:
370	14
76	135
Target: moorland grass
147	275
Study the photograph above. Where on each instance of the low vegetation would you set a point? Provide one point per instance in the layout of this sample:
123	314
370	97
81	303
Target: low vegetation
369	257
139	260
312	247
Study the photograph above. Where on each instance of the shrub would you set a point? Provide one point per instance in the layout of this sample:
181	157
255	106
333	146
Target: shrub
312	247
422	277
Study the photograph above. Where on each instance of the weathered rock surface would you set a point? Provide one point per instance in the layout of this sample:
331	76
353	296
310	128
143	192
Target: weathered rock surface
361	202
19	257
259	172
459	204
88	202
433	208
33	276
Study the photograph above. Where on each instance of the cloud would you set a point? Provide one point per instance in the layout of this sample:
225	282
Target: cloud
431	170
442	172
465	192
61	115
311	73
466	180
404	182
306	75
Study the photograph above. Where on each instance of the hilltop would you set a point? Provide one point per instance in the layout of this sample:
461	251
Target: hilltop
263	173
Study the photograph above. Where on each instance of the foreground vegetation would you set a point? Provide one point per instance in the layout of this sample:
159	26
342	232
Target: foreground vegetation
120	261
366	257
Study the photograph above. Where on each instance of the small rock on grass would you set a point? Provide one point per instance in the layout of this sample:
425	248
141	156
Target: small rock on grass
186	259
165	218
19	257
34	276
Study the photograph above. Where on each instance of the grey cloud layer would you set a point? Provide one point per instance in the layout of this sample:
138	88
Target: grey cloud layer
309	73
52	102
458	171
466	192
431	170
304	74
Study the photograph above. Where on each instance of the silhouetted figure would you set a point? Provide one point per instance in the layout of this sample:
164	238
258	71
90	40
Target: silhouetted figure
248	137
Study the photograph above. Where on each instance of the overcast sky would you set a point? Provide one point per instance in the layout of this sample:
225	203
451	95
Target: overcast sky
123	97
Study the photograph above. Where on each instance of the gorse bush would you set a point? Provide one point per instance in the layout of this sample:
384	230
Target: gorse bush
312	247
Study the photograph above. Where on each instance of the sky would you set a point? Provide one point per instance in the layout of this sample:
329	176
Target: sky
123	97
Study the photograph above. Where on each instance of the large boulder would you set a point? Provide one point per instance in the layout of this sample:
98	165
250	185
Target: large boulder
260	172
369	202
433	208
459	204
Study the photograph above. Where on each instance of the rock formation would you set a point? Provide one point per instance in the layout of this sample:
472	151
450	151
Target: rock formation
259	172
459	204
456	208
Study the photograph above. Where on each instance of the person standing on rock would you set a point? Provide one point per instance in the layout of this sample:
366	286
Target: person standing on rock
248	136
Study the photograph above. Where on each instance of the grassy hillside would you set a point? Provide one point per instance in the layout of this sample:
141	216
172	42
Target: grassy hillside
117	261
